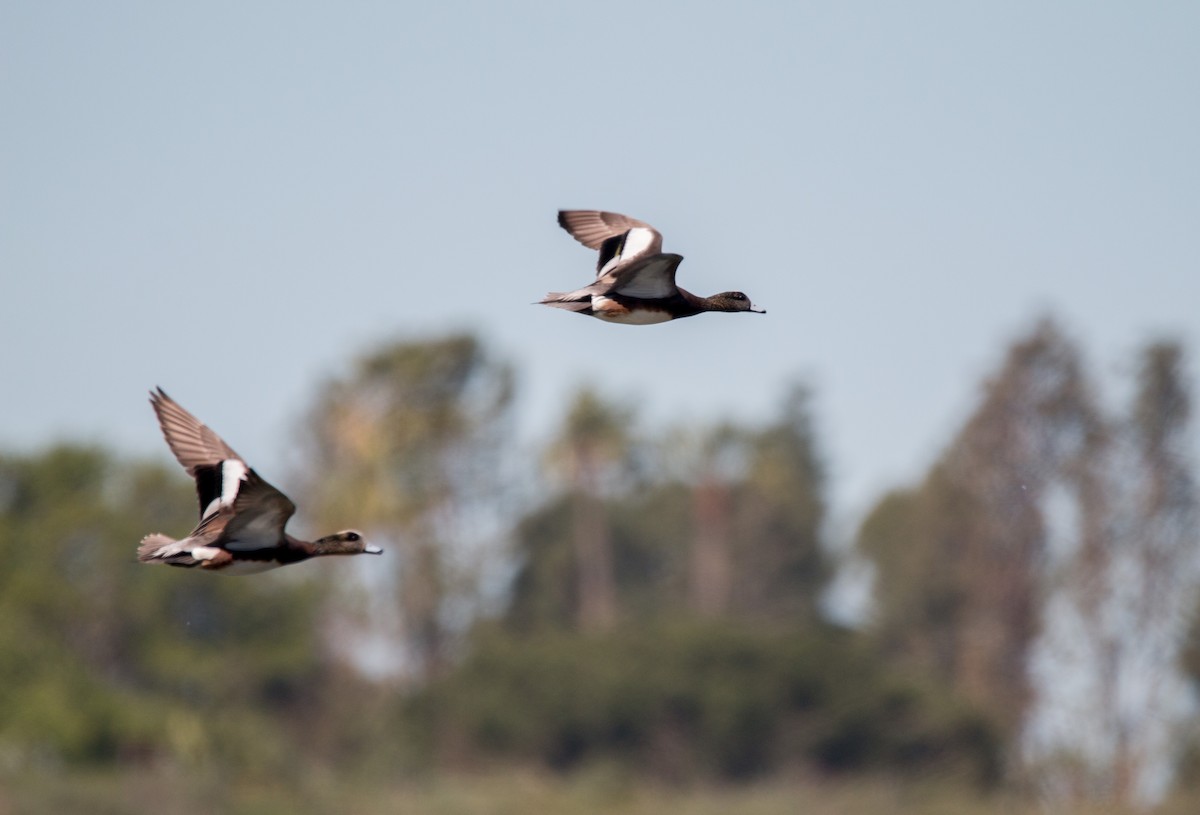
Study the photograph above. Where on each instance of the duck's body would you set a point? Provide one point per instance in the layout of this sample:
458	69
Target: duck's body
615	307
635	279
242	517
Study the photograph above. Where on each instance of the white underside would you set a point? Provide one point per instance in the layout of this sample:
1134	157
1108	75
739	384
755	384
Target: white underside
638	317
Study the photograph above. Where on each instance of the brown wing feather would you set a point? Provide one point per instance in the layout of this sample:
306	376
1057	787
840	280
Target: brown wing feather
193	443
592	227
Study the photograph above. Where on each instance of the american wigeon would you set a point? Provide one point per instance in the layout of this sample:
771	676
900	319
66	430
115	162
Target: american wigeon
241	516
635	279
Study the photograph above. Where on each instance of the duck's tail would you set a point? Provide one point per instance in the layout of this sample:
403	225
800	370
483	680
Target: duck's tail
159	548
572	301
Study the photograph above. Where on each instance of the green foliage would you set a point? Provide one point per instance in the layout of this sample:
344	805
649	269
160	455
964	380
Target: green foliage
691	699
409	447
748	499
107	659
960	559
390	441
778	514
1045	567
700	547
648	532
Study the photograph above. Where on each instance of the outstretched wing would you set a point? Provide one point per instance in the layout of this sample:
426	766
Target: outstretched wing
218	470
193	442
621	240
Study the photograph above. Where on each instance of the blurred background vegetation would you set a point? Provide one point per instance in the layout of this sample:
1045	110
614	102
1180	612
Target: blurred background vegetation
627	619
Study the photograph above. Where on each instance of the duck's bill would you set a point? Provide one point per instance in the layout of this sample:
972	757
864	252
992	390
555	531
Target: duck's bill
758	310
372	549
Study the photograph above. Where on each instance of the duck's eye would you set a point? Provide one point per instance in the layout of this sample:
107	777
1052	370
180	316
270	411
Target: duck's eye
351	536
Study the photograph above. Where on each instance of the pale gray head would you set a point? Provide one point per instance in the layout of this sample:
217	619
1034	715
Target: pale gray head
733	301
349	542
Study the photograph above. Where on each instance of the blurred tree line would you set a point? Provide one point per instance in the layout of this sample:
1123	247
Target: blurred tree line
1047	567
650	597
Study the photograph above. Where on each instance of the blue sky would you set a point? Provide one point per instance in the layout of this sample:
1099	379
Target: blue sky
232	200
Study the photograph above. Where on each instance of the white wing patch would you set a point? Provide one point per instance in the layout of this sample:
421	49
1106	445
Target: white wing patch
233	473
637	241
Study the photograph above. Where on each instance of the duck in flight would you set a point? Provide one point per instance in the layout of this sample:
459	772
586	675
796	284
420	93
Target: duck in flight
635	279
241	516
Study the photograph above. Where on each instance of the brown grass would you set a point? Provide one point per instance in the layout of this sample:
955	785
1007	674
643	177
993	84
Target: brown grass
598	791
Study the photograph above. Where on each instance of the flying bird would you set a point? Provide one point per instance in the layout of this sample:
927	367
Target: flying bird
241	516
635	279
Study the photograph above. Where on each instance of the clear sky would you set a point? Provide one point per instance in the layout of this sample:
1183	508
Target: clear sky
232	199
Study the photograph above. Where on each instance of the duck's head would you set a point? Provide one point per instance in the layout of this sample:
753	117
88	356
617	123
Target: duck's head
349	542
733	301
